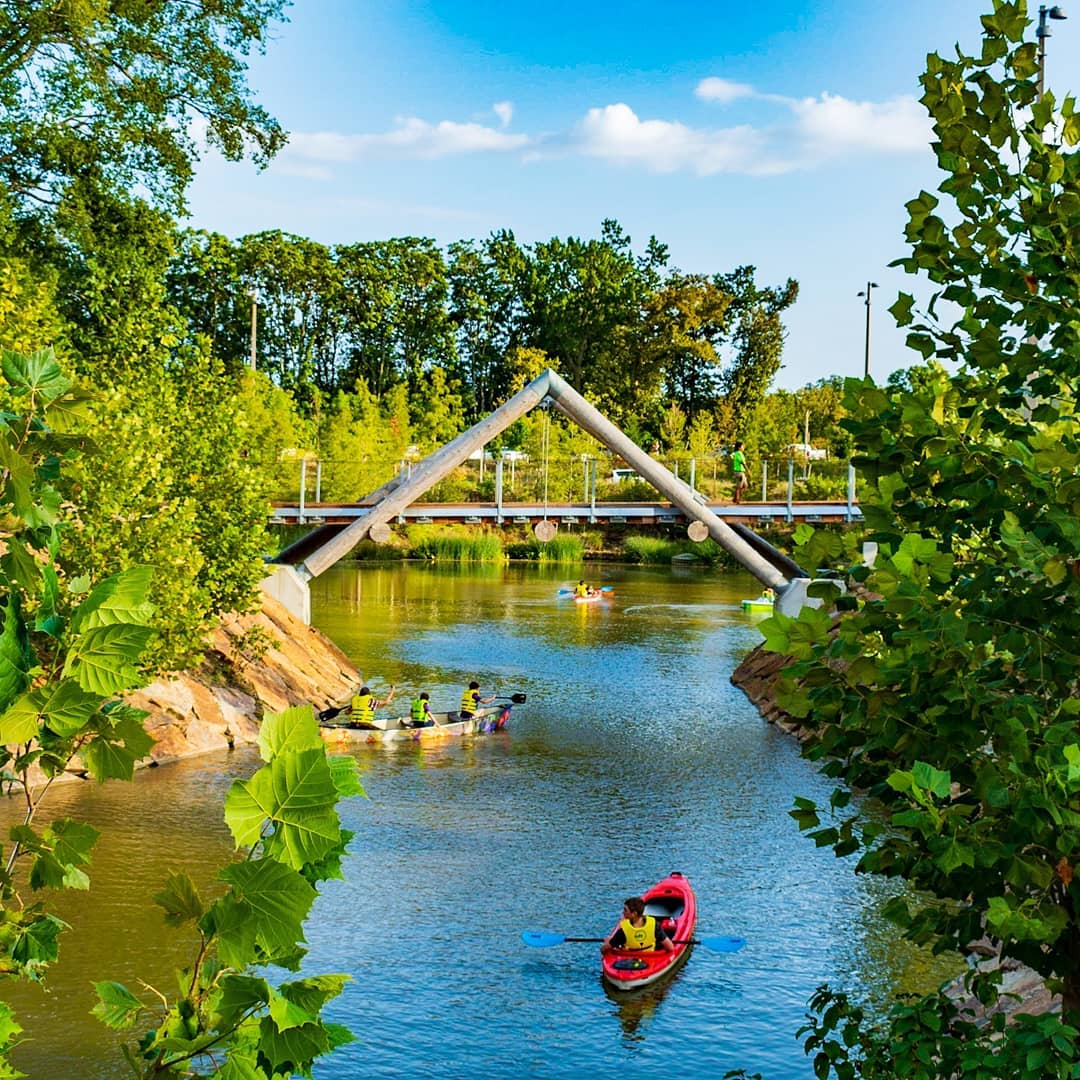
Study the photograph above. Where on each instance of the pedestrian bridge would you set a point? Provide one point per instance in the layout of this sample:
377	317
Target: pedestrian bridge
370	518
599	513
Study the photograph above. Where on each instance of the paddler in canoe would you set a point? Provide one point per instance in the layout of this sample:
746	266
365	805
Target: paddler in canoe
363	705
471	701
637	931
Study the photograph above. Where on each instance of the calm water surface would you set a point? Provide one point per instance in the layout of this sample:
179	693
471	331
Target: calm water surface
634	756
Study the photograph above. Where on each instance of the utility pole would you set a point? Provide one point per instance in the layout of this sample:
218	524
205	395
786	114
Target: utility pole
254	294
869	286
1042	33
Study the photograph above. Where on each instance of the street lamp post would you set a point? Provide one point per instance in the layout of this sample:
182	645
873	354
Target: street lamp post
254	294
1042	33
870	285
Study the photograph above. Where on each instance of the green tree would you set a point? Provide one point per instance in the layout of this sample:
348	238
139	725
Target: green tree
114	90
949	693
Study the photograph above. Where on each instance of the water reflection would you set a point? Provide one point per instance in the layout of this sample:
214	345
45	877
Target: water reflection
635	1009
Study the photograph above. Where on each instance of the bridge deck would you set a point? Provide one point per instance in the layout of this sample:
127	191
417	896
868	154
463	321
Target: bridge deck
638	513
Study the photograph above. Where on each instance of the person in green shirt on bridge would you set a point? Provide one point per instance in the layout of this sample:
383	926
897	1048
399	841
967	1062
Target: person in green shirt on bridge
738	467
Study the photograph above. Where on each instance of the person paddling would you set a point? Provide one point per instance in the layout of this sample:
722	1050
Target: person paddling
637	931
471	701
363	706
420	712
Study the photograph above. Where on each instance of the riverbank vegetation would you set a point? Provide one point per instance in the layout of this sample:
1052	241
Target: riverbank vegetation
949	691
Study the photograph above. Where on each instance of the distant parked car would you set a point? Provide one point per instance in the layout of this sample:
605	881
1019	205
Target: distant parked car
624	474
811	453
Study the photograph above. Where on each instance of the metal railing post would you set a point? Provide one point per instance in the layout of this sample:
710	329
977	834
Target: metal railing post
592	500
318	481
790	489
764	480
693	471
850	492
498	489
303	486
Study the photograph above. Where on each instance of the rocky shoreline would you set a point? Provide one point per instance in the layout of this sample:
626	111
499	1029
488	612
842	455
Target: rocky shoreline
221	703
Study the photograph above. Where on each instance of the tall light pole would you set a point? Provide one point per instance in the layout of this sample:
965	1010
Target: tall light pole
869	286
1042	33
254	294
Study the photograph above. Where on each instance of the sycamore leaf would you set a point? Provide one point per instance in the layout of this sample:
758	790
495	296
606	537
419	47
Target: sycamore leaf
288	1014
293	729
14	661
62	849
313	993
35	947
103	659
18	483
121	598
345	772
240	1067
117	1006
8	1029
933	780
180	899
296	793
278	900
239	995
64	707
292	1050
113	754
69	412
36	372
230	921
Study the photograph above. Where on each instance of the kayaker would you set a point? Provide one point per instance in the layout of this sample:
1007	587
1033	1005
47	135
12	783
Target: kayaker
582	589
363	706
471	701
637	931
420	715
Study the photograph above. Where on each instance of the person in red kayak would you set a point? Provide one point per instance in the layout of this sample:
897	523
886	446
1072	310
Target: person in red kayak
637	931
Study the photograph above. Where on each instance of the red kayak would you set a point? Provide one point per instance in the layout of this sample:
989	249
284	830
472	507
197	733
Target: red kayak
672	902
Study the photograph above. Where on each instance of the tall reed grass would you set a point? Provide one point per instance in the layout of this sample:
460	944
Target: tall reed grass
444	544
651	549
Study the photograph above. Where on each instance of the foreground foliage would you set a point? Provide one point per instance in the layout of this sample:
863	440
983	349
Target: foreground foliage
949	692
230	1022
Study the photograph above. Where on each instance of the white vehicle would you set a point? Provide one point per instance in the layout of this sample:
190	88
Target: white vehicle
804	450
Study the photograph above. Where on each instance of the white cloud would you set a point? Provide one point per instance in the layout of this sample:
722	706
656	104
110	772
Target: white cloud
807	132
616	133
832	125
412	138
722	90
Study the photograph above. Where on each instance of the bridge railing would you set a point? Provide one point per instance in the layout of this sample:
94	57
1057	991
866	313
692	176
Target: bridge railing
577	480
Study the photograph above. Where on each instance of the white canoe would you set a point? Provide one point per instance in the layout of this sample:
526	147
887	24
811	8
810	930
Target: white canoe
395	728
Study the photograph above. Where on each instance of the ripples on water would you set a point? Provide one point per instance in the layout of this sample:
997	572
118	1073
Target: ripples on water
633	757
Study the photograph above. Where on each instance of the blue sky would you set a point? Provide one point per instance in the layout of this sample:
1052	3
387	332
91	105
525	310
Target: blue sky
784	135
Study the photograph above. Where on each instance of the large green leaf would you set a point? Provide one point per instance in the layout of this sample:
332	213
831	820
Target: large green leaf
292	1050
118	746
313	993
64	707
70	412
181	900
346	773
296	793
238	996
18	483
117	1006
287	1013
103	659
35	946
294	729
278	899
121	598
62	849
14	660
36	372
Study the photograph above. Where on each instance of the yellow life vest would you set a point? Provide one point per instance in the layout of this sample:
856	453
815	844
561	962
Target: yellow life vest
639	937
470	701
582	590
363	708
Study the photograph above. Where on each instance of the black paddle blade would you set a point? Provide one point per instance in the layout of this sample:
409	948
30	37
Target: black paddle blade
329	714
518	699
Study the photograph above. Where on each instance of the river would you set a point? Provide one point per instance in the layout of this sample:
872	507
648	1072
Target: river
632	757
